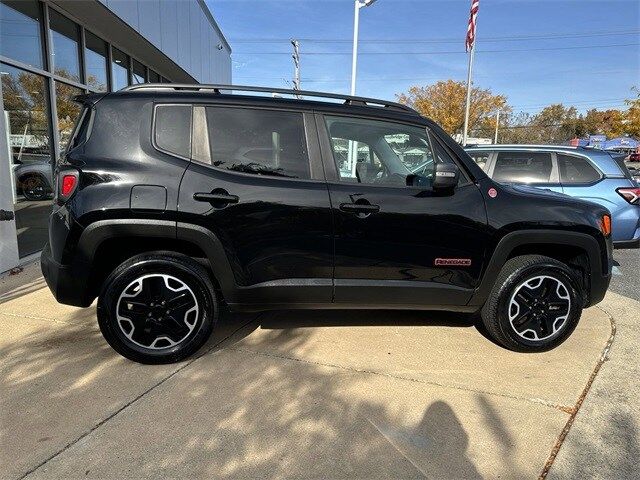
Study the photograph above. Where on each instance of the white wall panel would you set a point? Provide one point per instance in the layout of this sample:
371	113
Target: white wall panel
149	18
182	31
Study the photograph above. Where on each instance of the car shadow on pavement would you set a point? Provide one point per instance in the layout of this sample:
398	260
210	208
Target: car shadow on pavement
235	415
371	318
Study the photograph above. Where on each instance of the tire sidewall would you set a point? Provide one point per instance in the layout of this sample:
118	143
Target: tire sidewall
127	273
523	274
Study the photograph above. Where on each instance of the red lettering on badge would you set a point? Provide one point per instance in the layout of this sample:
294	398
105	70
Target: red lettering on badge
456	262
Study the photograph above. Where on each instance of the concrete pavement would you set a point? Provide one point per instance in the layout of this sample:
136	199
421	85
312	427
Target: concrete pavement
296	394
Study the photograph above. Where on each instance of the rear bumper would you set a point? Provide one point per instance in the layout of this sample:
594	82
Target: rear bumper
68	283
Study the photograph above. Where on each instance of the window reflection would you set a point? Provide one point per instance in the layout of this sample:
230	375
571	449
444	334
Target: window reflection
153	77
25	102
65	57
67	111
20	33
96	62
119	69
138	72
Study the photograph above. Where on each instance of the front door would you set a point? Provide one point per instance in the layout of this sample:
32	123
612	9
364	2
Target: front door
397	244
258	185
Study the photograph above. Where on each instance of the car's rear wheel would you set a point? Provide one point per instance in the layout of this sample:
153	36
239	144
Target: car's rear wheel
157	308
34	188
534	305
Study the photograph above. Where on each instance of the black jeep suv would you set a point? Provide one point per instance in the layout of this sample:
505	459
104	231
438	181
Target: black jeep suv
172	200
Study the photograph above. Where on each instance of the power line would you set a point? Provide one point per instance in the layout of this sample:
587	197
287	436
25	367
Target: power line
508	38
545	49
430	77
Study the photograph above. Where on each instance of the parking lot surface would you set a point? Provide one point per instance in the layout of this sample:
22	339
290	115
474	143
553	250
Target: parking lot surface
334	394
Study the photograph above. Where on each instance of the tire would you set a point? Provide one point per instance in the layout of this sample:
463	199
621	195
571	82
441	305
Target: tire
134	320
534	306
34	188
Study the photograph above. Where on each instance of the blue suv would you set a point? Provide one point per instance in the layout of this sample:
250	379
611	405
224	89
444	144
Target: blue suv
585	173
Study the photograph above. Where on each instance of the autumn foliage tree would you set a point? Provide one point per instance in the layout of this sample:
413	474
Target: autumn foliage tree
444	102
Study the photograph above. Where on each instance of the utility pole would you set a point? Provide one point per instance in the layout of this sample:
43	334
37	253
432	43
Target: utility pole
495	138
296	64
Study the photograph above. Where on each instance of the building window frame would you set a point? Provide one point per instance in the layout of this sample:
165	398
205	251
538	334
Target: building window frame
50	76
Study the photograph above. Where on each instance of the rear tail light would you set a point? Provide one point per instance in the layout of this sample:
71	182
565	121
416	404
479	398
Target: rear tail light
605	225
630	194
67	182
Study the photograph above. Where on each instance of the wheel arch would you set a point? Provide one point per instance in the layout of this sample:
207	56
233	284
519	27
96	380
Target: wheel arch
579	250
26	175
105	244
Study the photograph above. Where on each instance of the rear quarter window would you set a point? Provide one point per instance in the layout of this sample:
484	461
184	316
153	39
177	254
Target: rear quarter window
82	129
172	129
576	170
619	159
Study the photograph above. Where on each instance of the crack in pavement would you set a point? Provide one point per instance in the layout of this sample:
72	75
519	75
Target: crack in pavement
604	356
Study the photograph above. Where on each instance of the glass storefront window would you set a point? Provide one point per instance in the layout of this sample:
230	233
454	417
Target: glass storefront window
119	69
65	55
25	102
20	32
67	111
153	77
137	72
95	55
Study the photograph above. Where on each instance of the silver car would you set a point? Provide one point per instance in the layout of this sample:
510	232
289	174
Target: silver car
34	180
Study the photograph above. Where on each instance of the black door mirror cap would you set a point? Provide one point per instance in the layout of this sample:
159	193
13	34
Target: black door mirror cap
446	176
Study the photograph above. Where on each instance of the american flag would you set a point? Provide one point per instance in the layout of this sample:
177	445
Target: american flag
471	29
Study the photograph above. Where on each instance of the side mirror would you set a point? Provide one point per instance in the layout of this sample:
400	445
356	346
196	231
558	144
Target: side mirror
414	180
446	176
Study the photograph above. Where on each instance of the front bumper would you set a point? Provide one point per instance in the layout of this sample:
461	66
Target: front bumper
68	283
627	244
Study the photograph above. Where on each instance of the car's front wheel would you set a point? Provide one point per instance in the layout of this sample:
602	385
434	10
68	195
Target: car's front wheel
157	308
535	304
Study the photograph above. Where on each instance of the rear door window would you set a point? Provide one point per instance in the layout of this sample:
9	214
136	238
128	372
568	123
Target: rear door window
172	129
258	142
576	170
522	167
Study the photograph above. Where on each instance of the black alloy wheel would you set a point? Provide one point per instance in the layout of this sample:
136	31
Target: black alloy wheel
157	307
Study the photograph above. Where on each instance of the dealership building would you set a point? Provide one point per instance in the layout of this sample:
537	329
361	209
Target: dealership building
51	51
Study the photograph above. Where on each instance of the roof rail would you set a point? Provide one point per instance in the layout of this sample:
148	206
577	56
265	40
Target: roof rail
348	99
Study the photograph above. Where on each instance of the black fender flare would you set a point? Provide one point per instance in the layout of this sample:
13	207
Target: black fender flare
599	274
97	232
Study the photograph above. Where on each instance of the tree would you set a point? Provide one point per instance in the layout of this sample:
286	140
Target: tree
557	124
444	102
608	122
632	117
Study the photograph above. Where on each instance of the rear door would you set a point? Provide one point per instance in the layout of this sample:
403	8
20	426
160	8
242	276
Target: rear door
397	244
256	182
534	168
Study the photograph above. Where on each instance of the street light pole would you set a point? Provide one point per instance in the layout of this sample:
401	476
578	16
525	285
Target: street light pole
358	4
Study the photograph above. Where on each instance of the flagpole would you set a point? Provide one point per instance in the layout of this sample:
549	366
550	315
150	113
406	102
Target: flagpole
468	103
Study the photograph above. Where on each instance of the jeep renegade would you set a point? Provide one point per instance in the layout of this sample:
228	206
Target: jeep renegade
174	200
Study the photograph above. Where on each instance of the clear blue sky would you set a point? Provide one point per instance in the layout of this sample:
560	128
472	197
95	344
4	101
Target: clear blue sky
536	72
